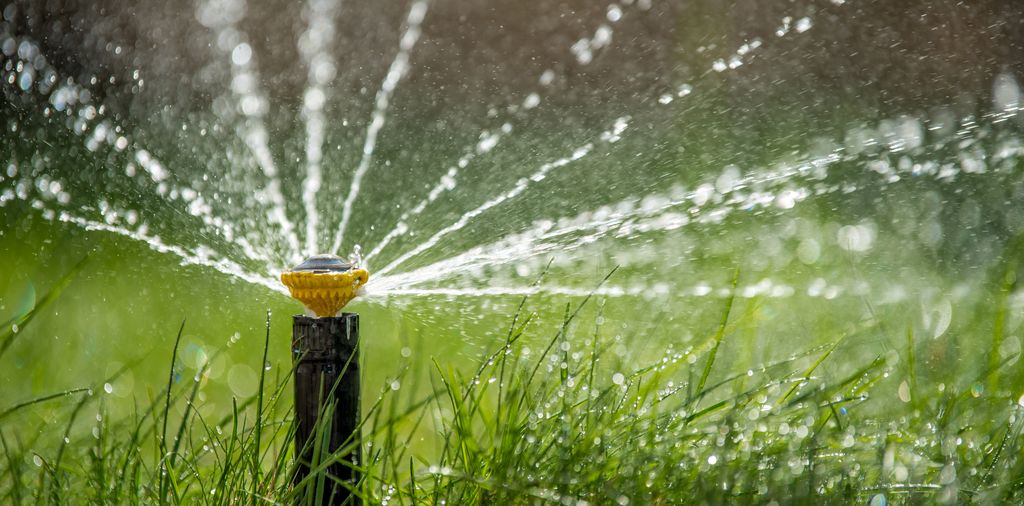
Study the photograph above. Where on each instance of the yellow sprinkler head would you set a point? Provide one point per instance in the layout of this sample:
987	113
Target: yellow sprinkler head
324	283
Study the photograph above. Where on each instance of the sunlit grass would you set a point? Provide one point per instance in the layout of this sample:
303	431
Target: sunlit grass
568	423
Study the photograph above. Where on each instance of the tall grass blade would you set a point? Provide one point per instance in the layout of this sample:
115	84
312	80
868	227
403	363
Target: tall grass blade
719	335
8	335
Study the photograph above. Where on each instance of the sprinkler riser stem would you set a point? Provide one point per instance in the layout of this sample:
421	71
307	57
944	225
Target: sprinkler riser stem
325	353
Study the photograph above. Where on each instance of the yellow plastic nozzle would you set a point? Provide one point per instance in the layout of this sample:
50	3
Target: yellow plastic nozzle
324	284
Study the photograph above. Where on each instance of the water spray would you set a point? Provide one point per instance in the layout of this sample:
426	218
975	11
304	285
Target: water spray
325	356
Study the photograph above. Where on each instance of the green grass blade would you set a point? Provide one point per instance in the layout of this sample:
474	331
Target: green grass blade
167	410
8	335
719	335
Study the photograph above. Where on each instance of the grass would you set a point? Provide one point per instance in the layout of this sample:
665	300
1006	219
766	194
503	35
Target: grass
571	424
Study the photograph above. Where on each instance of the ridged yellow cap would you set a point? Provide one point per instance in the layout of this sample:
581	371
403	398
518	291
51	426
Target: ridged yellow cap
325	283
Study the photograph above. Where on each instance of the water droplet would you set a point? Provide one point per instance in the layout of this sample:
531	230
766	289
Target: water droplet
241	54
614	13
803	24
25	81
315	99
547	77
948	474
618	378
108	388
904	391
900	473
977	390
532	100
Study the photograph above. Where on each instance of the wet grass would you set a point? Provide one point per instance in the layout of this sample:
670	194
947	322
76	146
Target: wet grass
568	423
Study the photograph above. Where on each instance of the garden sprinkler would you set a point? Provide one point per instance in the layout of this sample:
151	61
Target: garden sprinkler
325	283
325	356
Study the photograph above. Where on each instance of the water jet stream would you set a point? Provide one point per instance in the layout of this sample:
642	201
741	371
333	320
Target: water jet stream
583	50
252	103
399	67
784	188
487	142
186	256
313	46
609	136
710	203
766	287
202	256
74	100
